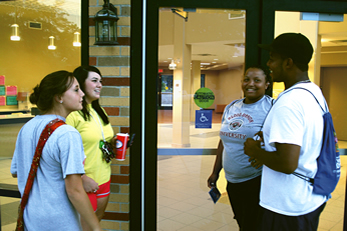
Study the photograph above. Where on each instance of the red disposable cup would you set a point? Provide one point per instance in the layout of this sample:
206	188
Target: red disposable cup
121	145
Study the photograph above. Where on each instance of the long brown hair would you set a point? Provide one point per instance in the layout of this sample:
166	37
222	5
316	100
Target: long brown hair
81	74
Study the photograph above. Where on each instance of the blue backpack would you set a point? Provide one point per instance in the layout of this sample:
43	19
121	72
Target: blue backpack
328	162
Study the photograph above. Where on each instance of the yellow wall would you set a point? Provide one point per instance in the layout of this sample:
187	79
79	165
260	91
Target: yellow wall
24	63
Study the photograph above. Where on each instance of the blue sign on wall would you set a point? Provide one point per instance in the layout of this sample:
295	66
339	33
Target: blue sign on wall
203	119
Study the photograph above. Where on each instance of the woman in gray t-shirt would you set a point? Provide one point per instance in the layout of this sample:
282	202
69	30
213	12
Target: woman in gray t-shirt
57	194
242	119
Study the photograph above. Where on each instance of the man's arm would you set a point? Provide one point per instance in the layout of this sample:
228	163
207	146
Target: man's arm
285	159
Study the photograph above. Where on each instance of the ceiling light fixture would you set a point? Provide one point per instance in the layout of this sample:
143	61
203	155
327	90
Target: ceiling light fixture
51	45
51	38
172	65
14	35
76	39
77	35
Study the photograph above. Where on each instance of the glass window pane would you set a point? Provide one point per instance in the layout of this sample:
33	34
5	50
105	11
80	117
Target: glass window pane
326	69
197	48
25	59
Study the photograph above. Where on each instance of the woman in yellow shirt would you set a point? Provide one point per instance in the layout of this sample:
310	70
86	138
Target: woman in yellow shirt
93	124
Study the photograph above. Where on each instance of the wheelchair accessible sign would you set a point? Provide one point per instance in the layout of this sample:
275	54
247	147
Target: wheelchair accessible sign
203	98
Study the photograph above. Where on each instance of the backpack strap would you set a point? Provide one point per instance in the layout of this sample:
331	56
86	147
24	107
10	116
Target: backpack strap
310	180
326	107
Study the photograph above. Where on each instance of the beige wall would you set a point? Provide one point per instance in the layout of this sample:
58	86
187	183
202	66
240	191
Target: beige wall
333	59
334	84
201	28
229	86
226	85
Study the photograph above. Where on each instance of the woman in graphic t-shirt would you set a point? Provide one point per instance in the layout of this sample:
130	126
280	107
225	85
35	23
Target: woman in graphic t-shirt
242	119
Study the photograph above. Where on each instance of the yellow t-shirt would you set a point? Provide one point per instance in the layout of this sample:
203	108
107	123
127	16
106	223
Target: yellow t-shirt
95	167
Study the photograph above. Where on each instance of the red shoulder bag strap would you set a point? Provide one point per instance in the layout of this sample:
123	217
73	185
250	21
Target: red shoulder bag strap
49	129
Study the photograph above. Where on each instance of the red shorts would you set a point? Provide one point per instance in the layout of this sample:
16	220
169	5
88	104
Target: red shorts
103	191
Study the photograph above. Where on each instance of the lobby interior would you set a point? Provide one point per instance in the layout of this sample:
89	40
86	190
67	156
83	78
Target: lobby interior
182	193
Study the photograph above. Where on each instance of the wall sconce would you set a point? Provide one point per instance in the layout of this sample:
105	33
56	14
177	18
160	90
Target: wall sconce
106	25
51	43
76	39
14	36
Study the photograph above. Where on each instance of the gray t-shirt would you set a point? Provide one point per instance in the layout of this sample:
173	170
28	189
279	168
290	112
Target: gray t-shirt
239	122
48	207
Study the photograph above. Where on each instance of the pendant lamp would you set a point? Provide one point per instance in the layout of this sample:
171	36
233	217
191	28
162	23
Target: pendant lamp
51	45
51	38
76	39
14	35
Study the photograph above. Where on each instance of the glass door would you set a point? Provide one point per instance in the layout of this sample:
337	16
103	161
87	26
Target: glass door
150	206
326	69
198	43
324	23
195	42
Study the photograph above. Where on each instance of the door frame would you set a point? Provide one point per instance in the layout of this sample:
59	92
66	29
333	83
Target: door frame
260	21
143	94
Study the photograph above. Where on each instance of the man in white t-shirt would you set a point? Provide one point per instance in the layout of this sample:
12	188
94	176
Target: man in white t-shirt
292	135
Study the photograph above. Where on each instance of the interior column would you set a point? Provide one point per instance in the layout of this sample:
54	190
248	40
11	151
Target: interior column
196	81
181	92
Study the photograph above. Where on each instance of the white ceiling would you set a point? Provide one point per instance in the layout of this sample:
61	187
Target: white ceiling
220	54
228	54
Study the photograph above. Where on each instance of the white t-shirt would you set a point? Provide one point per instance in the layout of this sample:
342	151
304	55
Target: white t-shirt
295	118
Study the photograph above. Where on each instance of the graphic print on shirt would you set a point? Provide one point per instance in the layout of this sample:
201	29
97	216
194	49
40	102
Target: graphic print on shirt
236	122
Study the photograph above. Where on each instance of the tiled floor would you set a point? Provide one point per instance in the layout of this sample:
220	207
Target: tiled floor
183	200
9	206
184	203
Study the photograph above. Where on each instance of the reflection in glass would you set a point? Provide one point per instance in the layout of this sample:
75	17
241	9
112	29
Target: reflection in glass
24	63
14	35
210	46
